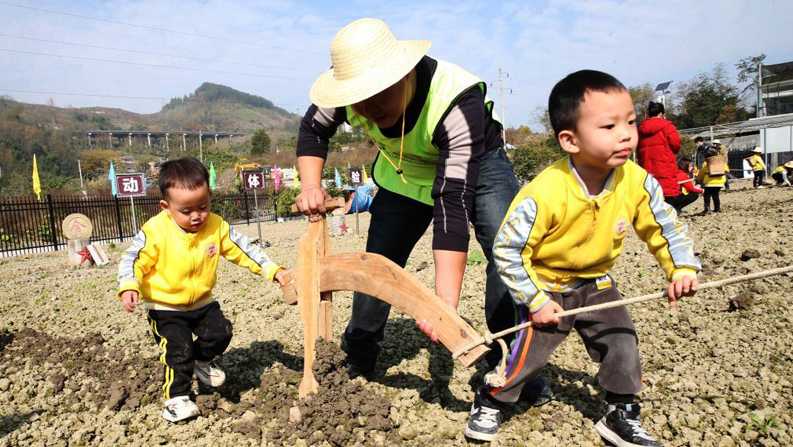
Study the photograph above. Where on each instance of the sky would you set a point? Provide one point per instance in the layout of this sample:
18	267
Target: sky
136	55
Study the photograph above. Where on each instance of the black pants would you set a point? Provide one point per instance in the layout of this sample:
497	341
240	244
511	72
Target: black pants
759	176
778	178
396	226
173	331
712	192
681	201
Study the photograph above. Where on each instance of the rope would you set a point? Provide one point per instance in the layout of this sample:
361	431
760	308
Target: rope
489	338
398	167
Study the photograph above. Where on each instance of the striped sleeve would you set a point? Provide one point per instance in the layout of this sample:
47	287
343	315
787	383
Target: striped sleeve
238	249
316	129
667	238
139	258
523	229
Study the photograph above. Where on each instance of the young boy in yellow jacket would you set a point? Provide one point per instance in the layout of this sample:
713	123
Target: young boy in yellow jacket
561	236
172	266
712	185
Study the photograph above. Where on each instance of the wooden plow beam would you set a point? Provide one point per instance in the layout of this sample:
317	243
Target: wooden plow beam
318	274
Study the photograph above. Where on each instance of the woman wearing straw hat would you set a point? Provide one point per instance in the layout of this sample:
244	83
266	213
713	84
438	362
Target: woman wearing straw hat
440	160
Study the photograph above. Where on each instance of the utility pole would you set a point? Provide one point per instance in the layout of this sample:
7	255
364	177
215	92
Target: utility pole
503	91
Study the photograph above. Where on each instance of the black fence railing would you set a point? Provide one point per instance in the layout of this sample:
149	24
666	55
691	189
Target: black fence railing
29	225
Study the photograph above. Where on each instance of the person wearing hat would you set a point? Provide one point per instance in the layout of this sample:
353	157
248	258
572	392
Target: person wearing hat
440	160
758	166
782	173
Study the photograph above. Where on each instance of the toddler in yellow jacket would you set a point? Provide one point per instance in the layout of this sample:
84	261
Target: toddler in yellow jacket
559	240
171	266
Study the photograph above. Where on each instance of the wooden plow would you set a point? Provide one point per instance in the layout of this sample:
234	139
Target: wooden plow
319	273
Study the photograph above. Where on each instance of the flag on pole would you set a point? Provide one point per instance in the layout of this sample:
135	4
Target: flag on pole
213	177
364	177
36	180
337	177
276	173
111	175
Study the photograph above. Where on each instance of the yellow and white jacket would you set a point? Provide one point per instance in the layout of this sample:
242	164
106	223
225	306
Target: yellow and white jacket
708	181
757	162
555	234
172	269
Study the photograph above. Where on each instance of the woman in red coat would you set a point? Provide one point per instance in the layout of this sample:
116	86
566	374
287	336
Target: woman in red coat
659	143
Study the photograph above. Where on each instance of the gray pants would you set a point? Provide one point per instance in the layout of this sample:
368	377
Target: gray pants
609	337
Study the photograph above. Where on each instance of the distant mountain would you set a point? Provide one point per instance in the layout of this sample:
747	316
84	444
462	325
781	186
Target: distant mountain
212	107
222	108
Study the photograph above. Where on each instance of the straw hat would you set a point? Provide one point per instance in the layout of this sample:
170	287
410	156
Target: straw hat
366	59
789	164
717	141
757	150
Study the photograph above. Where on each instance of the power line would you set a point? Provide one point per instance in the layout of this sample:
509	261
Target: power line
61	42
143	64
35	92
135	25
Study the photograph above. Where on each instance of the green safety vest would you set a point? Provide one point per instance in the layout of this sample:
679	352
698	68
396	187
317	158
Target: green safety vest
419	156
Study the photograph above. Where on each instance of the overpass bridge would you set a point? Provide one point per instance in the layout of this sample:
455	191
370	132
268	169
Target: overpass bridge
161	138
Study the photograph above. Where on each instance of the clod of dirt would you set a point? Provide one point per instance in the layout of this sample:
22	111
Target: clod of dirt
294	415
750	254
741	302
118	394
57	381
341	408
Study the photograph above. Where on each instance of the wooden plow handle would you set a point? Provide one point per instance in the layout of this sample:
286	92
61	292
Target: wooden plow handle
377	276
330	204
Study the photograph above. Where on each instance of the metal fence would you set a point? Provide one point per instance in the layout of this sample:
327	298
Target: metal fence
29	225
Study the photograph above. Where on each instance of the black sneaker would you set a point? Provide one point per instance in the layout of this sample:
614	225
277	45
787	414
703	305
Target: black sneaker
621	427
484	419
536	393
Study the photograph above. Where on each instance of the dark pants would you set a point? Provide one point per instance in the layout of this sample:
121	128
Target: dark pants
759	176
712	192
778	178
681	201
396	226
609	337
173	331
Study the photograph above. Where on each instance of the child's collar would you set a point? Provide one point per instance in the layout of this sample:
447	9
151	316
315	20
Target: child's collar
606	182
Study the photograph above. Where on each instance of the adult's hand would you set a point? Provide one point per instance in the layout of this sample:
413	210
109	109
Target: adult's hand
311	200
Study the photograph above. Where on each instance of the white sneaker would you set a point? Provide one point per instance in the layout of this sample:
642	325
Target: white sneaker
209	374
179	408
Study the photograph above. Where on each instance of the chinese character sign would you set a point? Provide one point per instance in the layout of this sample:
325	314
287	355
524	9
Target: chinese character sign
253	179
355	176
130	185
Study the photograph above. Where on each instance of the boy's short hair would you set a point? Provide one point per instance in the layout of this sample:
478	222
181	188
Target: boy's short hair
655	109
698	139
567	95
188	173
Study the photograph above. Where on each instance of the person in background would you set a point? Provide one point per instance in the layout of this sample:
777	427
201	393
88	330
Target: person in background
689	191
659	143
758	167
712	185
782	173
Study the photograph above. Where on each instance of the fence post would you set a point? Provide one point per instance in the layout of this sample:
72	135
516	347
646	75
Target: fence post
51	211
118	219
247	211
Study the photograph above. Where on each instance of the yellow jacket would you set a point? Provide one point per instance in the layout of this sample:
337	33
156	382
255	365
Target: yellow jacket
707	180
176	270
555	233
757	163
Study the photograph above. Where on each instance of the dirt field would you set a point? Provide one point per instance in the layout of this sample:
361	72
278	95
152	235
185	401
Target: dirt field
76	370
